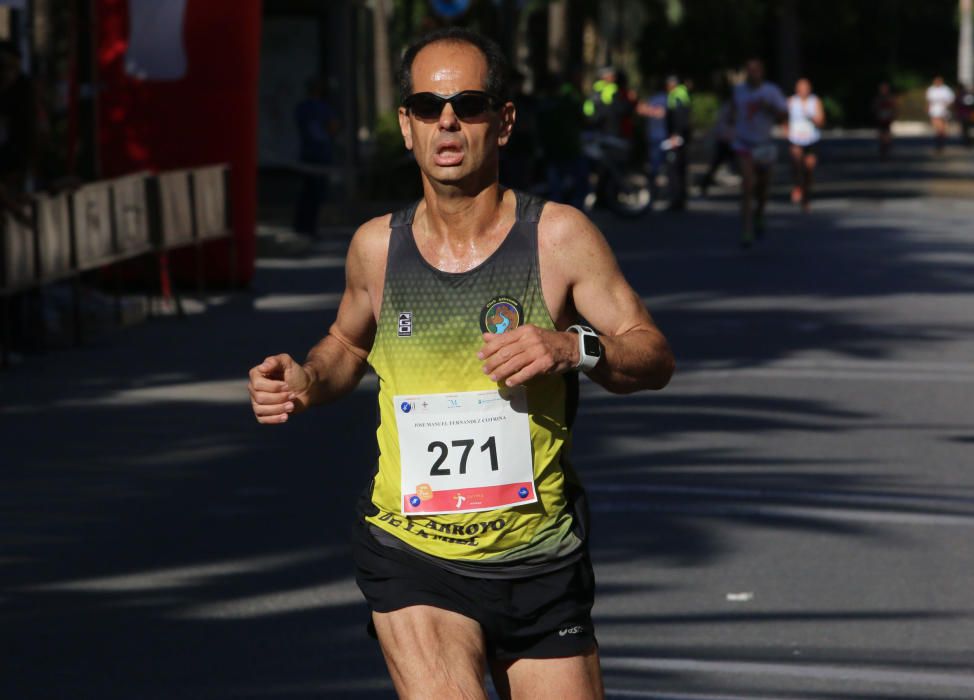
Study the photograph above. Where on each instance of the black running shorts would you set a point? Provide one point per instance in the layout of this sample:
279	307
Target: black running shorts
537	617
808	149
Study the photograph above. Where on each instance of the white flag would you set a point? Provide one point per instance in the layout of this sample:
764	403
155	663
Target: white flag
155	49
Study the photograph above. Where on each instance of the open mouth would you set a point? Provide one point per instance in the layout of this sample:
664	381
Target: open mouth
448	153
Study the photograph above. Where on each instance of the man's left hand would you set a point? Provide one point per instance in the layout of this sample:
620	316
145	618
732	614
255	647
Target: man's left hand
518	356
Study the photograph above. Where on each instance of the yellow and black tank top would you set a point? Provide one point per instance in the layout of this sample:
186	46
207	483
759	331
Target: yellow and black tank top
428	335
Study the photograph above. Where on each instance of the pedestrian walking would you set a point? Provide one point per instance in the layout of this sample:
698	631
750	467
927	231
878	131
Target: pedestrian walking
679	130
654	110
471	538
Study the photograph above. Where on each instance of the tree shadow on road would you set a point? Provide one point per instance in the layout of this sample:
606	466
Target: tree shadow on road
169	547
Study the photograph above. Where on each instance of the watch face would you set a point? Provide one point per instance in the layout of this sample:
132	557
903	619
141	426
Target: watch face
592	346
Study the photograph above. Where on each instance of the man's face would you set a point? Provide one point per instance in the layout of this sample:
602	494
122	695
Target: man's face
447	148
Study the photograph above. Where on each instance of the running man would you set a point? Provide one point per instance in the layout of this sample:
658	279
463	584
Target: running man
756	107
940	100
805	118
499	579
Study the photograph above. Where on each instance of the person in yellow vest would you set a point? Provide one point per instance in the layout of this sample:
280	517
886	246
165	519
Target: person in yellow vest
679	128
471	546
597	106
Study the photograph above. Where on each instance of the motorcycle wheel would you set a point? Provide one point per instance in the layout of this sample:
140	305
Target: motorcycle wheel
630	195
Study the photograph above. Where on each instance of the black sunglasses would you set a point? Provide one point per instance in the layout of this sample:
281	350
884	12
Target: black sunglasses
468	104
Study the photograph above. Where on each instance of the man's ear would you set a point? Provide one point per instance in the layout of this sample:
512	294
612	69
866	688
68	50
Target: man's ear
508	116
406	128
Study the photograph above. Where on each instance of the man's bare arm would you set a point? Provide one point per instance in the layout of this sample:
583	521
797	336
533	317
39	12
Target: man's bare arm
636	355
280	386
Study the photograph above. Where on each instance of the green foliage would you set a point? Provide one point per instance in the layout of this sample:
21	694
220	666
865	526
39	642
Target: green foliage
834	112
392	173
388	138
912	104
703	110
904	80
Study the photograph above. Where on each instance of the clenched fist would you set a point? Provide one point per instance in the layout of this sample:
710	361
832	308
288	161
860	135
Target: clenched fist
278	387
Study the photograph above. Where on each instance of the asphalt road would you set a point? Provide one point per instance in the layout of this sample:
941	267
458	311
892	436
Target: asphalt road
791	518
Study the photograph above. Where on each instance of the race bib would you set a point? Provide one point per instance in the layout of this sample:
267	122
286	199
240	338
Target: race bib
465	452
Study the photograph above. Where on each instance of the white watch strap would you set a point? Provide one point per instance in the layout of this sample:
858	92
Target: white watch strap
585	361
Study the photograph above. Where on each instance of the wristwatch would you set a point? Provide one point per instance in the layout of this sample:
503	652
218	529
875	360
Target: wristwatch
589	347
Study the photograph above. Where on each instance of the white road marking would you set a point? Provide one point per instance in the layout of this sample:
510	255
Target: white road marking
325	595
783	512
299	302
660	695
183	576
807	671
314	262
823	496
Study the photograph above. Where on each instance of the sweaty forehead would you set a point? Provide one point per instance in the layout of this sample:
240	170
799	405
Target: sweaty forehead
449	67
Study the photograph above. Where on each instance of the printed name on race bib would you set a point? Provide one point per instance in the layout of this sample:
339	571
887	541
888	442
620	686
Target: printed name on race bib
464	452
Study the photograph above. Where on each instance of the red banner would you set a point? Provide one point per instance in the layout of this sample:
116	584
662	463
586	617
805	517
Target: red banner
178	89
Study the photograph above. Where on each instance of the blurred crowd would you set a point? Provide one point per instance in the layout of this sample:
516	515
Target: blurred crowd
607	145
595	144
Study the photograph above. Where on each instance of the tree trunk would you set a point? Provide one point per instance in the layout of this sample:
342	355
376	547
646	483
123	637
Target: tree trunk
789	58
384	101
558	37
965	51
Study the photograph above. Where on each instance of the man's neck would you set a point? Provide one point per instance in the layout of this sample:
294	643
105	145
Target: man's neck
457	215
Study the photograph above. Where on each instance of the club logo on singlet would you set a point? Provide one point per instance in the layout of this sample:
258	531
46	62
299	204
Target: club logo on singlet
501	314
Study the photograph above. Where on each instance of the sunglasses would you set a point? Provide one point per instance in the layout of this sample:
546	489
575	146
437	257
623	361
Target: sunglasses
468	104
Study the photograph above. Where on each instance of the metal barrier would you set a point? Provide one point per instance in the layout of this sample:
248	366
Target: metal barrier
108	222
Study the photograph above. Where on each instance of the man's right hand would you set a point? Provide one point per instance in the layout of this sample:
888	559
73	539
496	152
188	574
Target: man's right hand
279	387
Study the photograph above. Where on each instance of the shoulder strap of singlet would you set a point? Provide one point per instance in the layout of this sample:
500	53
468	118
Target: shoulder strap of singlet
529	207
404	217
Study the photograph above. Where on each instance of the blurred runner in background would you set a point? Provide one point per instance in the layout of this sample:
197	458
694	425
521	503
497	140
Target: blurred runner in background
940	98
805	118
757	106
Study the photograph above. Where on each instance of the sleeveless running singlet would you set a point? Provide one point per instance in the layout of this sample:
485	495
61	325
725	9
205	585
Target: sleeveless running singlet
469	472
801	127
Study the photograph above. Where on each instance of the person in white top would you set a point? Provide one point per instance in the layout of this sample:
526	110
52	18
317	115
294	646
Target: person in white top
756	107
940	98
805	118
